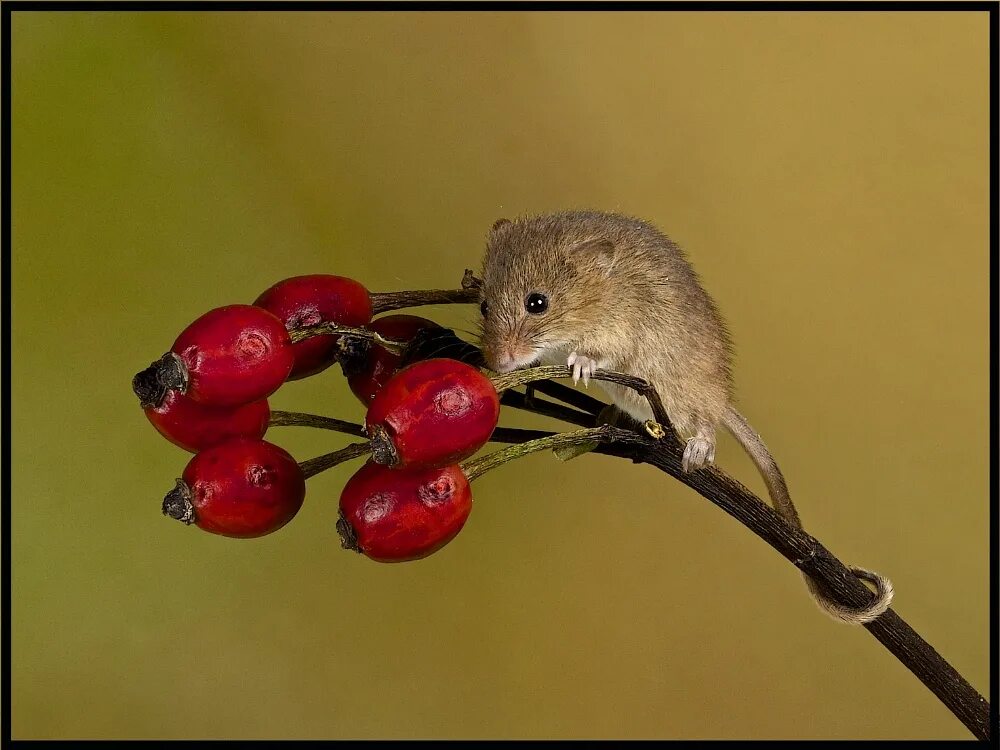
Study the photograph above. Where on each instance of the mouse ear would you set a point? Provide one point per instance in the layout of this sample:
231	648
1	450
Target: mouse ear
600	251
499	224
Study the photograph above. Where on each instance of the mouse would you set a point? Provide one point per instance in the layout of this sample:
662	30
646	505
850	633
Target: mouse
598	290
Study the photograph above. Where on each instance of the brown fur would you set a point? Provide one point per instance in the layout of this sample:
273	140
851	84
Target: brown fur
620	292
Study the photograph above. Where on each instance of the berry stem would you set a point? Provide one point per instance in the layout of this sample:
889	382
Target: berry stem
468	294
479	466
517	435
655	428
327	329
299	419
314	466
385	301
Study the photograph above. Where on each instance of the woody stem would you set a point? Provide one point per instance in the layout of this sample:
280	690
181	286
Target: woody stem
479	466
314	466
326	329
640	386
299	419
469	293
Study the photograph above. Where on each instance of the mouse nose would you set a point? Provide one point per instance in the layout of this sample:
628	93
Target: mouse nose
500	359
505	363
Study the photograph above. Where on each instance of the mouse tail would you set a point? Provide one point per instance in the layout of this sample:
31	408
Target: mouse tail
782	501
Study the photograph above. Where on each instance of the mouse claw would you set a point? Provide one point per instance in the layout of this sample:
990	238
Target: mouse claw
583	366
574	361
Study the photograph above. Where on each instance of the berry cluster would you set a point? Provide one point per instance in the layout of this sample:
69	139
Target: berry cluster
429	408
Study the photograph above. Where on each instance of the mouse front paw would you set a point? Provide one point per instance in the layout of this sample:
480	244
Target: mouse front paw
583	366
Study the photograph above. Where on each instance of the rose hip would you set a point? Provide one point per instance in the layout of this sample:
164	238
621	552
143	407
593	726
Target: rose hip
235	355
229	356
302	301
194	426
432	413
367	365
398	515
241	488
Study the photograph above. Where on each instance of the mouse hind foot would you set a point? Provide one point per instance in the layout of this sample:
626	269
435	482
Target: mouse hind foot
700	450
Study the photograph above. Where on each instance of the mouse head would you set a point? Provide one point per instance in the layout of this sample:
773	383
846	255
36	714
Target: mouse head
545	280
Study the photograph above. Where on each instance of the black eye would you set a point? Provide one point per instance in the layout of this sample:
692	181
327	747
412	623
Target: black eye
483	308
536	303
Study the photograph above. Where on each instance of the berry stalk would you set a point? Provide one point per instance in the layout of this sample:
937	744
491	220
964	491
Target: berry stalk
477	467
327	329
468	294
386	301
314	466
300	419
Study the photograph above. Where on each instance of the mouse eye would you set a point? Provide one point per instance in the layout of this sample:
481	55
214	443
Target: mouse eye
483	308
536	303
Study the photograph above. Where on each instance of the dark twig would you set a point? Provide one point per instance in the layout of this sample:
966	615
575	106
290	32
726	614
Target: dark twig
515	435
812	558
298	419
517	400
570	396
520	377
807	554
385	301
469	293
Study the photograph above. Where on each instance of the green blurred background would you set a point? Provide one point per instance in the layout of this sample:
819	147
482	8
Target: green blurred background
827	175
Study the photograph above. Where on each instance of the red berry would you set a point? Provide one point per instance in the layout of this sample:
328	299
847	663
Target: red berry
229	356
302	301
432	413
393	516
376	364
241	488
235	355
194	426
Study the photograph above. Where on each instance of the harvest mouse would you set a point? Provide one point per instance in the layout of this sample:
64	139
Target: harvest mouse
595	290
